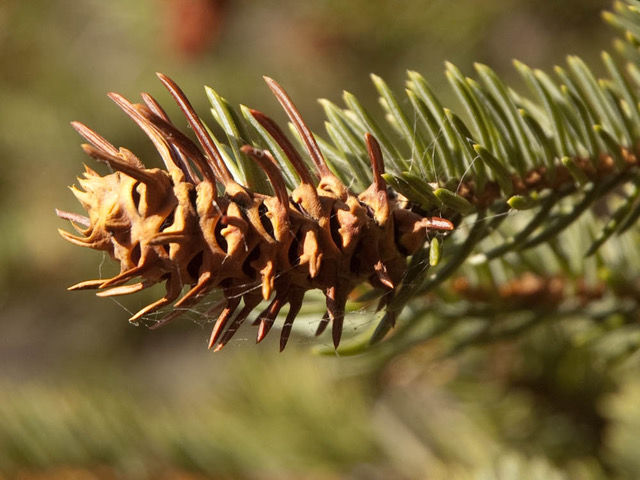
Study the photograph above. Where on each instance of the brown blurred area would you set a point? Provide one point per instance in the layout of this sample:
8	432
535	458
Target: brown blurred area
81	390
195	26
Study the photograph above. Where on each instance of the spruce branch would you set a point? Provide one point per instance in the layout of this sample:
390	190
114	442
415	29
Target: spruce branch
516	172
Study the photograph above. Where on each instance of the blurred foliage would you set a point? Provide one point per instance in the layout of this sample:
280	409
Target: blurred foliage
84	395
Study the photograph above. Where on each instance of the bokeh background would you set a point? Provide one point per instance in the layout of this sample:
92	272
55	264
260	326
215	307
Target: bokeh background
85	395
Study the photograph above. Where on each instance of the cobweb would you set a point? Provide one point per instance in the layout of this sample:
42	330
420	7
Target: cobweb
358	316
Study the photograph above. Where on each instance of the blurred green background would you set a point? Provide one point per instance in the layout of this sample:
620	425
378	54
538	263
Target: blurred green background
85	395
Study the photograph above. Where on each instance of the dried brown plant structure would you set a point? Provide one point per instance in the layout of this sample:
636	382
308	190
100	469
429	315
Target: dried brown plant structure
193	225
